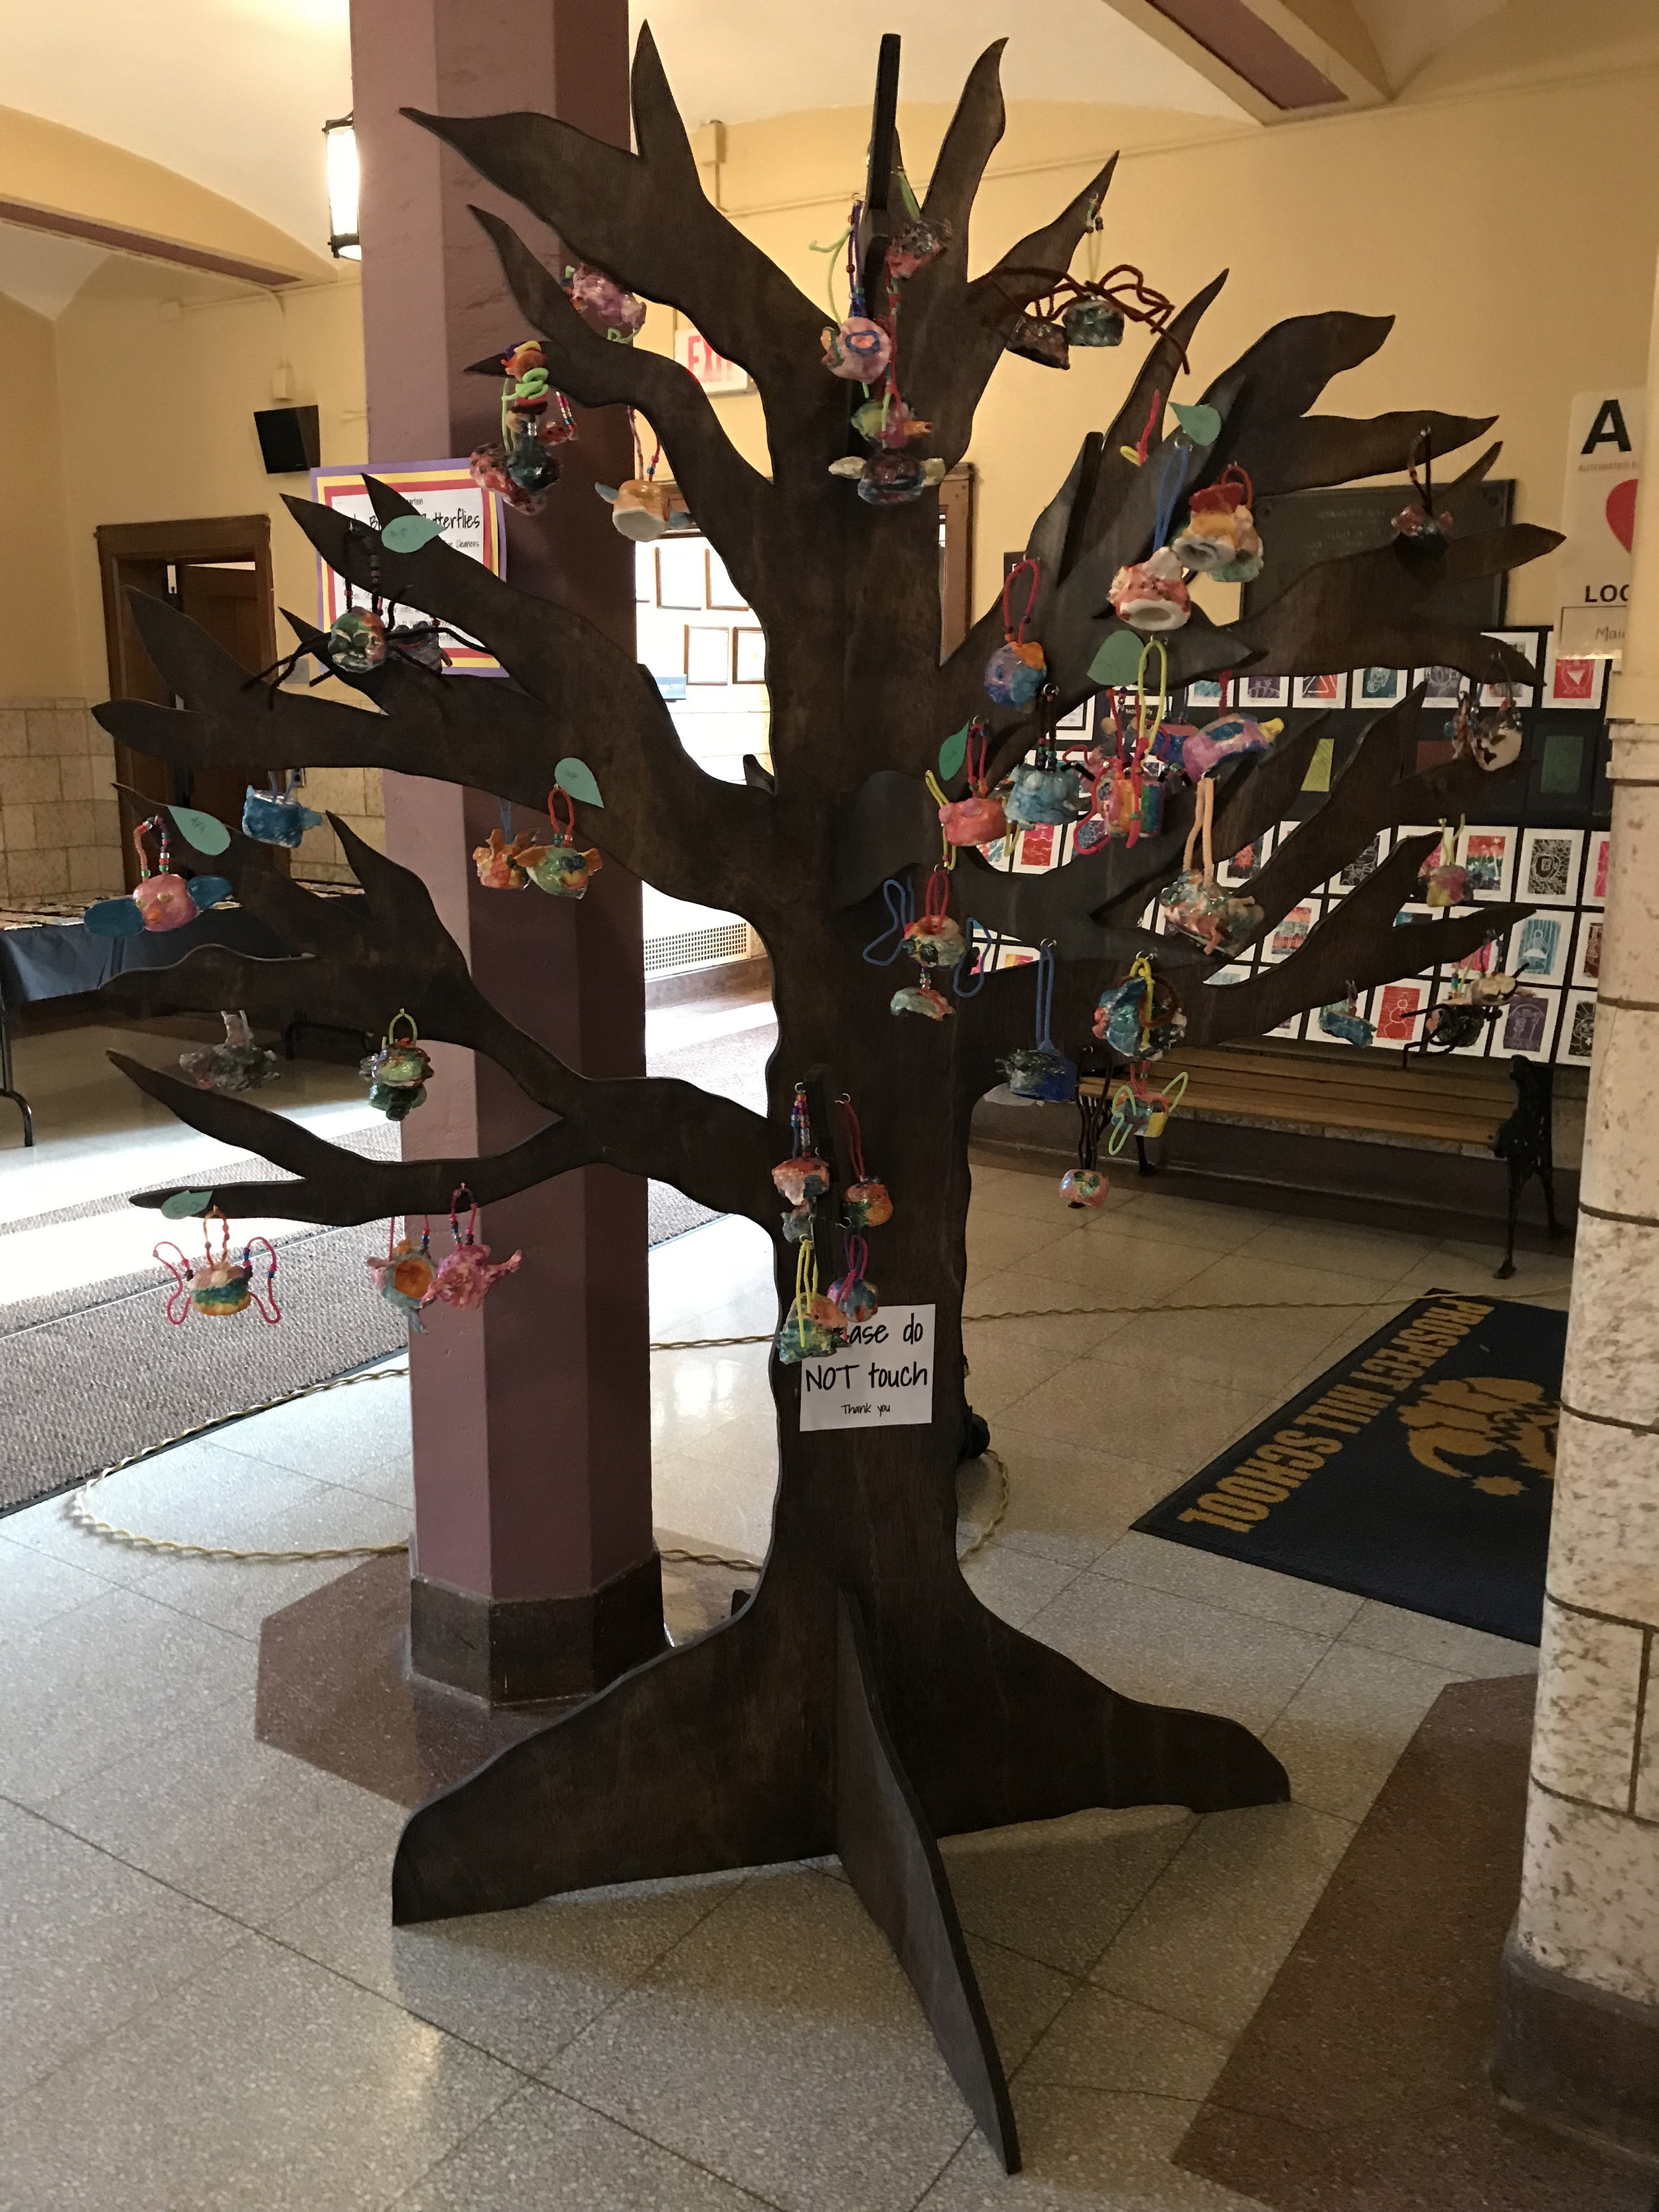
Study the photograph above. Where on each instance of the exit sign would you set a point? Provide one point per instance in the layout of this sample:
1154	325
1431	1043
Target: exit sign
712	370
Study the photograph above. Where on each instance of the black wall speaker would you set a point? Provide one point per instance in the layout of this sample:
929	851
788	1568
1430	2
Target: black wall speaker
289	440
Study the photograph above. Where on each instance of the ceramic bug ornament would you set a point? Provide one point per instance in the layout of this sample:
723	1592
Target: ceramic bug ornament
1141	1109
356	641
159	901
804	1175
278	818
1230	737
1419	526
1151	595
1016	671
1092	323
858	351
1140	1018
893	478
978	817
467	1275
1040	1071
396	1075
852	1295
561	867
935	939
814	1324
1219	533
1045	789
866	1202
403	1273
921	999
236	1064
603	304
1345	1024
1492	737
216	1285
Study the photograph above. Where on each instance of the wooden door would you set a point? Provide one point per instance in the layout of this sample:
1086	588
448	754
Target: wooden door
217	570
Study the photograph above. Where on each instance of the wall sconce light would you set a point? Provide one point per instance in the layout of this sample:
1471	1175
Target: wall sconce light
340	145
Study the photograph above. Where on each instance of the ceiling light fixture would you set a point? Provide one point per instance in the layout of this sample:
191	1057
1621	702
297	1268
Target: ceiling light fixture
340	144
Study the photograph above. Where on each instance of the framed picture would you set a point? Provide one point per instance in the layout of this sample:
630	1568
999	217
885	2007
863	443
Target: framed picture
722	591
1578	1039
1580	686
1290	934
707	652
1236	971
1487	850
1397	1010
1539	952
645	577
1443	686
1594	893
1242	866
1037	850
1587	953
1077	721
1529	643
1549	865
748	654
1527	1028
682	576
1204	697
1377	686
1365	862
1253	692
1322	690
1289	1028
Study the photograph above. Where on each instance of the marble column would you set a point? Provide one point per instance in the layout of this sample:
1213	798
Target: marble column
1579	2042
535	1568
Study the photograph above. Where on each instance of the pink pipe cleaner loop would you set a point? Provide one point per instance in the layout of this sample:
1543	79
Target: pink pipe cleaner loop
855	1138
270	1291
180	1291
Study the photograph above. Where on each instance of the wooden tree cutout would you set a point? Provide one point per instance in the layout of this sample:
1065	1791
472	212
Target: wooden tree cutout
863	1699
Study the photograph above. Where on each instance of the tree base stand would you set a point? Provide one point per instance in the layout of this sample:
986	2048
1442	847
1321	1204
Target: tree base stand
817	1721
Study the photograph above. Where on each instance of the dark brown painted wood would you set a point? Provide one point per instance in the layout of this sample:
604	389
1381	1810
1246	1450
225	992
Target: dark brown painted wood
893	1863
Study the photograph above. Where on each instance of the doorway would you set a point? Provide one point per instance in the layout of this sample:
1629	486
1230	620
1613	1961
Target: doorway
217	571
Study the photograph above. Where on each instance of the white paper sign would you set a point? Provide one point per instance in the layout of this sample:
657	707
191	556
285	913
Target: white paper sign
1598	515
883	1378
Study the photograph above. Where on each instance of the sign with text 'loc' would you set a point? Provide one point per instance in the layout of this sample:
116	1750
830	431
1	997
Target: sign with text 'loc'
883	1378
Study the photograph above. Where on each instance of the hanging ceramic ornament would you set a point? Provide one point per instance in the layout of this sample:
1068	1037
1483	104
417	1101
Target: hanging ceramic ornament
467	1275
1492	738
1419	525
561	867
851	1294
1041	1070
858	351
1140	1018
278	818
935	939
419	642
815	1324
1195	904
500	862
1219	529
603	304
236	1064
1230	737
1140	1108
1346	1023
866	1203
804	1175
1088	322
1127	802
403	1273
1445	883
1151	594
1038	339
216	1285
915	244
161	901
890	477
1045	789
398	1074
921	999
356	641
978	818
1016	671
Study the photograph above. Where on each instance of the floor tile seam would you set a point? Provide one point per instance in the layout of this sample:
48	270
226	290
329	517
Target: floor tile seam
643	2135
1461	1673
952	2156
1218	1605
142	1748
141	1588
1082	1980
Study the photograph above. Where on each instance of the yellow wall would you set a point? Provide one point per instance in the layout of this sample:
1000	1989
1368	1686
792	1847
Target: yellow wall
39	650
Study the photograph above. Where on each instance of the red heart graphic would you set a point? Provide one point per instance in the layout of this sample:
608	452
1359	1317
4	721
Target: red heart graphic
1621	510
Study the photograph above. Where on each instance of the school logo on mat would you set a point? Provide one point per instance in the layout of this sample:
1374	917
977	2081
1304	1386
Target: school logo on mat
1473	1417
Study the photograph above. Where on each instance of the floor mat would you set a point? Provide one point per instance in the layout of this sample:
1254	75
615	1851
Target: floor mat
1418	1470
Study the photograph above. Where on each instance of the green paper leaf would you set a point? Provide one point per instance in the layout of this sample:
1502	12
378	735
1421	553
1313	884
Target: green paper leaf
1118	661
1201	424
576	778
952	753
407	533
183	1203
205	831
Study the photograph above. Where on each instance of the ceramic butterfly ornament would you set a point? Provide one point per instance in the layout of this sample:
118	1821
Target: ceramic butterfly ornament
467	1275
216	1285
159	901
404	1272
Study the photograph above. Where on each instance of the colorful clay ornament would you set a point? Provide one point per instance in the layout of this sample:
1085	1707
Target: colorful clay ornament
216	1283
866	1202
161	901
1445	883
603	304
503	859
858	351
1044	789
1052	311
1040	1071
1219	537
561	867
278	818
1086	1187
1492	737
854	1298
398	1074
1140	1018
1346	1023
804	1175
935	939
977	819
1140	1108
403	1273
921	999
465	1275
236	1064
1420	527
1230	737
815	1324
1016	671
1151	595
1195	904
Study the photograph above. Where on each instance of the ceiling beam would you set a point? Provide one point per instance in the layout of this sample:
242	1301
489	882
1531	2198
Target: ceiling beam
1279	59
117	238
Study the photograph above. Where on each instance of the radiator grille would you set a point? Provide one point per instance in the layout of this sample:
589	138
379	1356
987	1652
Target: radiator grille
695	948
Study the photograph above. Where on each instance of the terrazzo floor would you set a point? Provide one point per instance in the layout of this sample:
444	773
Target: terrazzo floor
206	2006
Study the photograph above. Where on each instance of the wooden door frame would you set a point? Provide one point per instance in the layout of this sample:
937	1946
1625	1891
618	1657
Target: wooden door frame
221	537
955	503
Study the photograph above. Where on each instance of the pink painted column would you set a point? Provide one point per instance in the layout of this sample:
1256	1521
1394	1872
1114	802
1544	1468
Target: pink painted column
535	1572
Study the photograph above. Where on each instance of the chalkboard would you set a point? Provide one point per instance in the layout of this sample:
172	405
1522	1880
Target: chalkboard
1300	528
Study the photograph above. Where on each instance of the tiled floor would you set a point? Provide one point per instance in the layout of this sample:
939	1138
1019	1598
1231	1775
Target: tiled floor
206	2006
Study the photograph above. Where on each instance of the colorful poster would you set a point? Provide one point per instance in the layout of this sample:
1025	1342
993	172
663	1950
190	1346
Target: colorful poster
1605	433
444	491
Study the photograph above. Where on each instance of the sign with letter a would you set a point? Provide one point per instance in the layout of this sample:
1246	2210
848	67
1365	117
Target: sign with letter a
1598	515
881	1378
